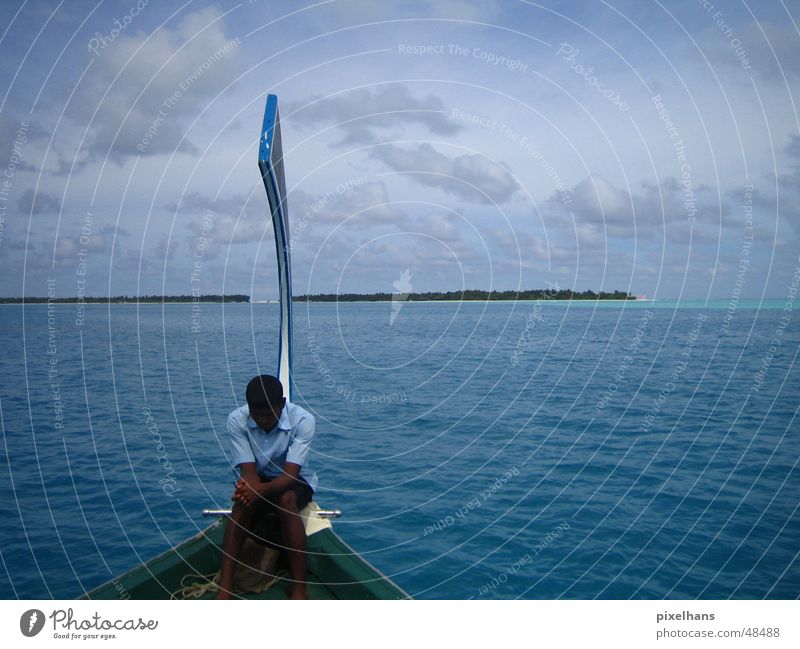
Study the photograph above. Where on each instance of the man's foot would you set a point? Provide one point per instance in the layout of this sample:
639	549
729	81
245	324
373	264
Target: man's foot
224	593
299	591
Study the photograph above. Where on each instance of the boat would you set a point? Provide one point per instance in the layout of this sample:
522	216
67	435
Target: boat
188	570
335	570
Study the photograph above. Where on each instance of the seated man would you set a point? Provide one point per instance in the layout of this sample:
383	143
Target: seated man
269	441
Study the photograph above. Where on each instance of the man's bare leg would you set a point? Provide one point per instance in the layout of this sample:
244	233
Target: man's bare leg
294	539
235	533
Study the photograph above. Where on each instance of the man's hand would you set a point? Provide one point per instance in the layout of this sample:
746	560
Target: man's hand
250	488
248	491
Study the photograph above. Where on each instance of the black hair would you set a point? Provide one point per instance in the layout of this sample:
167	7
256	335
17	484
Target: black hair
264	392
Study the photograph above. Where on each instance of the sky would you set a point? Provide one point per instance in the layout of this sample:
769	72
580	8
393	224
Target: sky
645	146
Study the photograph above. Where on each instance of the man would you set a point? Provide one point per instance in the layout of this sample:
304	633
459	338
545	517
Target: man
270	441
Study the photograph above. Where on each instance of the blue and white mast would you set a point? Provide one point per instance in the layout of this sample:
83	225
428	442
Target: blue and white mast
270	162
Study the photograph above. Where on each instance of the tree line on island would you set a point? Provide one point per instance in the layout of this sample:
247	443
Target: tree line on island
127	299
468	295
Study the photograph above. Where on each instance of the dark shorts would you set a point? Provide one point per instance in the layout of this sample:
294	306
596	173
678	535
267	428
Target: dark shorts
264	524
302	490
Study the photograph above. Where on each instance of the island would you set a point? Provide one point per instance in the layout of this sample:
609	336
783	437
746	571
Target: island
468	295
126	299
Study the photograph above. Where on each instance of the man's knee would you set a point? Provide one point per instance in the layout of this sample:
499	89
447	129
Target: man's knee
240	512
287	502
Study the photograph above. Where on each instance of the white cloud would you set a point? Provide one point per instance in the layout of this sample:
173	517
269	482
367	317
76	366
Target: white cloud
32	202
601	210
361	114
364	201
471	177
772	55
195	68
15	137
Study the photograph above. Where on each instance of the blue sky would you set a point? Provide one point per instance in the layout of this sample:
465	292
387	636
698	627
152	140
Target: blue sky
477	145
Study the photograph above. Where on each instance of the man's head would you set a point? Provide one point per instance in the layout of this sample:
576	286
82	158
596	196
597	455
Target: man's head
265	400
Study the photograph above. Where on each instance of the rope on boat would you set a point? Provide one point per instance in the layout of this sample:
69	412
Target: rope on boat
205	584
254	573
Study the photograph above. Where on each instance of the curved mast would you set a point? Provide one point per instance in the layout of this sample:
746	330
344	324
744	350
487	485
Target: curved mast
270	163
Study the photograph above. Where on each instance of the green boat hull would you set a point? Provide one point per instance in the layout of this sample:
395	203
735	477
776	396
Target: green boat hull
335	572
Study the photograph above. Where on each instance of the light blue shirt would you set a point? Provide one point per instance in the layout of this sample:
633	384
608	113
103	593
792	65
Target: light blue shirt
289	441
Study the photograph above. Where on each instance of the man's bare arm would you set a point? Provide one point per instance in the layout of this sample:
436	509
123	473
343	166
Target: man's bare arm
250	487
284	482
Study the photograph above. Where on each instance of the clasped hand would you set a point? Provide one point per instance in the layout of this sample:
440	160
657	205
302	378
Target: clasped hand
246	493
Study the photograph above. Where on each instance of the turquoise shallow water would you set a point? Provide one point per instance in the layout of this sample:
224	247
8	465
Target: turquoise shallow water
500	450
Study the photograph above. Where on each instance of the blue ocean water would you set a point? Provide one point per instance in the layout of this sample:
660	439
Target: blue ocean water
500	450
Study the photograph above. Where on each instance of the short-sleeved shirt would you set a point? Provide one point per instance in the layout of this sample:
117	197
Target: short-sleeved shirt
288	441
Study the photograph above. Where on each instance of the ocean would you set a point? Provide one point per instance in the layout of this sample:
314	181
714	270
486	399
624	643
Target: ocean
534	450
